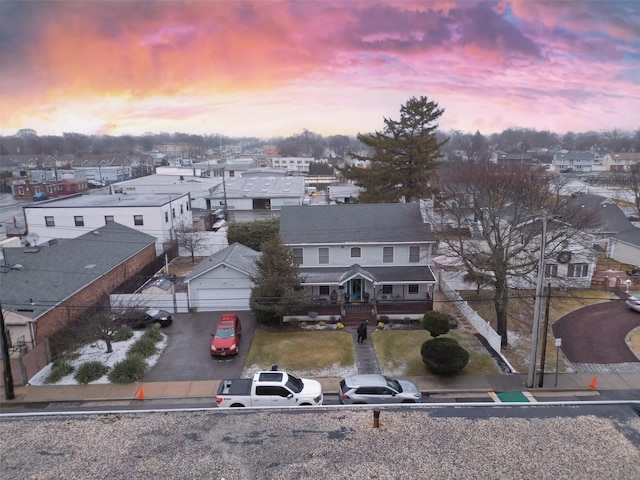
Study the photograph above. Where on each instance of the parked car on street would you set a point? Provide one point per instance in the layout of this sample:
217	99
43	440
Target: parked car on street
40	196
144	318
633	303
226	338
374	388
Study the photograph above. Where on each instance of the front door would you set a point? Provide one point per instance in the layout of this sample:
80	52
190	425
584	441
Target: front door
355	289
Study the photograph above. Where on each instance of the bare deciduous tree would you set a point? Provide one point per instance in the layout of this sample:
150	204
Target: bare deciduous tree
495	214
190	239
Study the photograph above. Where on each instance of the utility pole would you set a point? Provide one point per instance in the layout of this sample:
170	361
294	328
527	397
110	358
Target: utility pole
545	328
537	310
7	377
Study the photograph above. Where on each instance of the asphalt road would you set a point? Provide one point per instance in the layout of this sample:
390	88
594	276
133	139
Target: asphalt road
596	333
187	358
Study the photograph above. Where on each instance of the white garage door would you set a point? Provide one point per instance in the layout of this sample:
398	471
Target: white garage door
217	299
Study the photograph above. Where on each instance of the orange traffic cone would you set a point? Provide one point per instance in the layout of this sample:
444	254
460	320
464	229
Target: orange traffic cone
140	394
593	382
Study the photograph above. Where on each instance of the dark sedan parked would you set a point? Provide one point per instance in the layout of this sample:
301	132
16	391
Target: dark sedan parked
146	318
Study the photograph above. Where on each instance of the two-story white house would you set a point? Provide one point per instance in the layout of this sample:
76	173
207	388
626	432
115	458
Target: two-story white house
70	217
573	161
362	259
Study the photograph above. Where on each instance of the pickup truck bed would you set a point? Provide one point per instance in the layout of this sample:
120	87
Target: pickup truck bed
239	386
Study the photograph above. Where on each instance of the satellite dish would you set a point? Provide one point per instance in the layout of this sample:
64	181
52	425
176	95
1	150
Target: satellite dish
32	239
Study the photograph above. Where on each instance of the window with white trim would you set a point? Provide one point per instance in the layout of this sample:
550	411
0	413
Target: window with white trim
137	220
551	270
387	289
356	252
414	254
108	219
324	289
387	254
297	255
323	255
578	270
79	220
413	289
49	221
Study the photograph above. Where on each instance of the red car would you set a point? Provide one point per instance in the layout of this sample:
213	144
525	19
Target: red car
226	338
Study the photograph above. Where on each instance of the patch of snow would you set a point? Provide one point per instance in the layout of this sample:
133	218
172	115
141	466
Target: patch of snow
333	371
98	351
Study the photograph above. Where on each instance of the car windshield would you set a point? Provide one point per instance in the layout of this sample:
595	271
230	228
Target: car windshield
225	333
153	312
295	384
393	384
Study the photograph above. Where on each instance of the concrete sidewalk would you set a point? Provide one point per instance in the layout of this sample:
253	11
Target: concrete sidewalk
568	384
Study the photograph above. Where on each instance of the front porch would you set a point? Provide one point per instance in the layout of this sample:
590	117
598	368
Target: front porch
353	313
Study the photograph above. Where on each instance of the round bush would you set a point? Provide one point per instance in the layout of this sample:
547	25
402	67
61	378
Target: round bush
123	334
144	346
444	356
59	370
153	333
90	371
436	323
129	370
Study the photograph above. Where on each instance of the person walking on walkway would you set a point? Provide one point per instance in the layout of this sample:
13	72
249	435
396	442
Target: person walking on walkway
362	331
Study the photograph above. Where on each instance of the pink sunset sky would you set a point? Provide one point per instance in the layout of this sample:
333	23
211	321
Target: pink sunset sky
274	68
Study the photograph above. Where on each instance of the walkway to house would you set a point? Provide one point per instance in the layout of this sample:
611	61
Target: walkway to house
366	359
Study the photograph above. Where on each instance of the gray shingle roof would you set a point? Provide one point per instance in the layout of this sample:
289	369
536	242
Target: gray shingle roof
237	256
631	236
362	223
400	274
611	216
51	274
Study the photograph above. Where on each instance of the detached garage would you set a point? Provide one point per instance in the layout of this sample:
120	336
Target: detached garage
223	280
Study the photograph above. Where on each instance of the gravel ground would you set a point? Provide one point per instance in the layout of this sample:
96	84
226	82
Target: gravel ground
517	443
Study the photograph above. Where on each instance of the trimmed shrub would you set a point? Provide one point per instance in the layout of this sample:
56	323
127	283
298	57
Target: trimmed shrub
294	322
340	325
153	333
129	370
322	323
58	371
380	325
436	323
90	371
444	356
406	320
65	357
123	334
145	346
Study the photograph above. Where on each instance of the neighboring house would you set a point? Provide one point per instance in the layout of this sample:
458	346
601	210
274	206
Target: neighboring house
44	288
621	162
510	159
624	247
573	161
255	197
611	219
223	280
28	188
372	255
343	193
156	215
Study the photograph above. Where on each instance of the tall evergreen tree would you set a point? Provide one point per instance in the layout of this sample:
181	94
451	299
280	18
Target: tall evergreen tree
277	284
404	158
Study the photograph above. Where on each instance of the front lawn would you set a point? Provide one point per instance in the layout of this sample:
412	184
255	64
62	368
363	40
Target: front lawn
305	353
398	353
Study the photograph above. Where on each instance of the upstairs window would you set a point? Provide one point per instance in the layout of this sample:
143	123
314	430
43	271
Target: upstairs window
387	254
166	217
49	222
297	256
79	221
356	252
323	255
108	219
137	220
414	254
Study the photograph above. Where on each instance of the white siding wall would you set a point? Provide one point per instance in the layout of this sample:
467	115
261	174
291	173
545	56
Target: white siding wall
371	255
154	222
220	289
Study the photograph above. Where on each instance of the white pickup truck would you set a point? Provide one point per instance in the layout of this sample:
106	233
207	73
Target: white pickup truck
269	389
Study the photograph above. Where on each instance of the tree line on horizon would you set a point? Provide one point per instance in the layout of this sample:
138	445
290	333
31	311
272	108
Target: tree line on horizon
310	144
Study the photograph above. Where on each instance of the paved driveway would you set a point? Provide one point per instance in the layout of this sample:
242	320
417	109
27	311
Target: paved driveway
187	358
596	334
